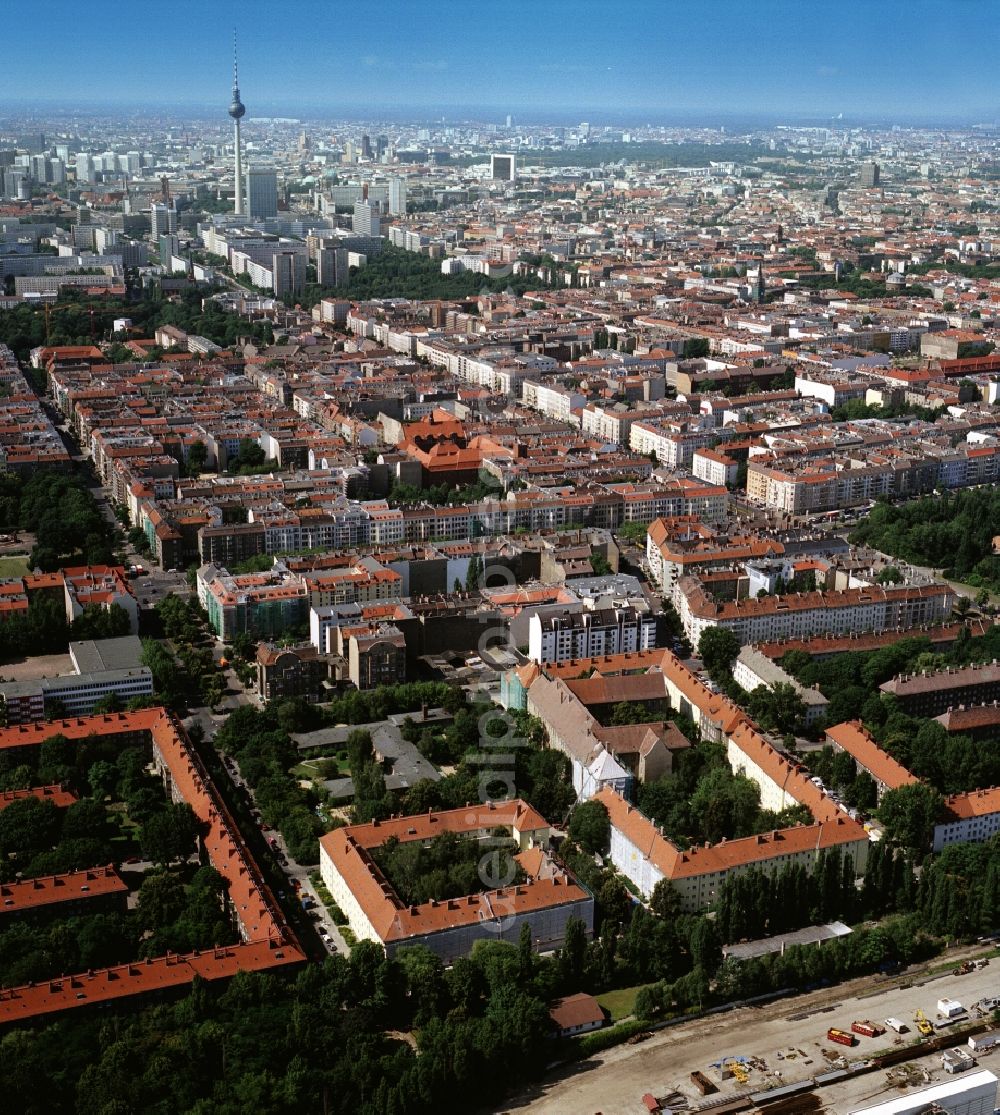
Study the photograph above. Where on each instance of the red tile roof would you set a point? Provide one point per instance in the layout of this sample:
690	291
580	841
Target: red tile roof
852	738
48	890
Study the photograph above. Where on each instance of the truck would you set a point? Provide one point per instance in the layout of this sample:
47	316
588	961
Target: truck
867	1029
896	1025
841	1037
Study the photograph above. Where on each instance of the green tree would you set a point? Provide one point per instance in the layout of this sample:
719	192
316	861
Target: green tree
169	834
909	815
718	648
197	457
590	826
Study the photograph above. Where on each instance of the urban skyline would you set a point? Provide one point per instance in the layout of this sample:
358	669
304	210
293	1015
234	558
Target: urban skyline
498	559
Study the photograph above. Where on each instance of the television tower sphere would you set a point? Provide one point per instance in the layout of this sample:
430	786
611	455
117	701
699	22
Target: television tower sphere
237	110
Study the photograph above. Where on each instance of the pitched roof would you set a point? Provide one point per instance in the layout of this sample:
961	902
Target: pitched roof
852	738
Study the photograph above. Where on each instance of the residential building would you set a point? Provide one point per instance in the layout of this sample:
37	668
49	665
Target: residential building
753	669
931	694
853	739
589	633
974	816
645	856
801	614
449	928
297	671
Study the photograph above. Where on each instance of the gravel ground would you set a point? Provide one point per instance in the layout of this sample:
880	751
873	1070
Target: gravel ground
613	1082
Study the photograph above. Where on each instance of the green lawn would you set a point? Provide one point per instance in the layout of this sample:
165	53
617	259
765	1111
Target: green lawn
620	1003
11	567
309	768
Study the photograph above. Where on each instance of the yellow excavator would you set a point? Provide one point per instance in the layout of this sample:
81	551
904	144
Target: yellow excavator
923	1025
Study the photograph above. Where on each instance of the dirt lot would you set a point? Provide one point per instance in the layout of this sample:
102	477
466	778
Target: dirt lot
613	1083
40	666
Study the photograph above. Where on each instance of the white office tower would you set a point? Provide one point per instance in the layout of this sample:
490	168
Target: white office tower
262	193
366	219
84	168
162	220
397	197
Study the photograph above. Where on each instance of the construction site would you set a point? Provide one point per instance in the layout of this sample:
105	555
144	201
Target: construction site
811	1053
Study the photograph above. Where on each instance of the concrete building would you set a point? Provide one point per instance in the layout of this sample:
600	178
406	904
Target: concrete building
262	193
367	220
589	633
397	197
103	668
503	168
289	273
868	175
162	221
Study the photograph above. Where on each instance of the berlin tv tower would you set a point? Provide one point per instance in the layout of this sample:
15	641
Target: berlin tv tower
237	110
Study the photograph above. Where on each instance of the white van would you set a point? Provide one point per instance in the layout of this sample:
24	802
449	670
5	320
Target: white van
896	1025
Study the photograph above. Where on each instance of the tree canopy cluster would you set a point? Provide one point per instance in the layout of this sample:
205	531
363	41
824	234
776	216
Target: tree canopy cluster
189	676
396	273
850	680
452	865
702	800
58	509
953	531
266	754
77	318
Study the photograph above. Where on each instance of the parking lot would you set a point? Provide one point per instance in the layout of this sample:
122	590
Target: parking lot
794	1028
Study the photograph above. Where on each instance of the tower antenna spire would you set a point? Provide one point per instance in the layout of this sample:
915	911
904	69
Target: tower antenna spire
237	110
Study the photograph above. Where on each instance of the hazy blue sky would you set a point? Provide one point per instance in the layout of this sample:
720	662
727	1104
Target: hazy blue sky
915	59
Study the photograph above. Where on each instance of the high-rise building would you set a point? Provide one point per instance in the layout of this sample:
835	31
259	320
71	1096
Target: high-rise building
169	246
366	218
289	270
502	168
262	192
162	220
331	266
869	174
237	110
397	197
366	147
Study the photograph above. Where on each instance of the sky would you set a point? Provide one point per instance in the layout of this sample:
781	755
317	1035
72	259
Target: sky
615	61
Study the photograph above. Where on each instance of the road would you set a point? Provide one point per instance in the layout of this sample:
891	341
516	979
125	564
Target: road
614	1081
